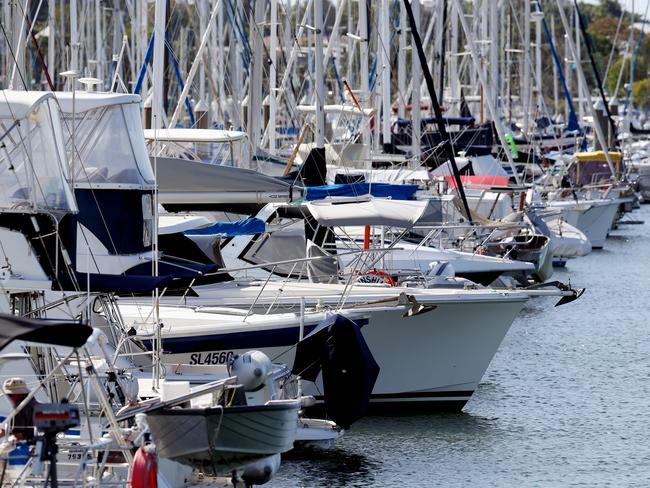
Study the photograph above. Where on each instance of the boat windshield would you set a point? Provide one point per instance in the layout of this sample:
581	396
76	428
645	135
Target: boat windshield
33	166
110	146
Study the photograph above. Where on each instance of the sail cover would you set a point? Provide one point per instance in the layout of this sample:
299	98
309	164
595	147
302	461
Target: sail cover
178	175
56	333
250	226
396	192
373	211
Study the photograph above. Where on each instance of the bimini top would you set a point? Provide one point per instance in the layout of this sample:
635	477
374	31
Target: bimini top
16	104
211	136
85	101
33	175
598	156
110	148
373	211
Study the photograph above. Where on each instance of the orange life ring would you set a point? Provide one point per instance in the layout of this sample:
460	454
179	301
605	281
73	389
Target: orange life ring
144	473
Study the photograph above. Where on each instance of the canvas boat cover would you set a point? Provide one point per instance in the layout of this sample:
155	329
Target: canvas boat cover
181	175
246	227
203	136
57	333
374	211
385	190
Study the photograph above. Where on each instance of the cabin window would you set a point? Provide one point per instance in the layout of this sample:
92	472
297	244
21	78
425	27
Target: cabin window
286	243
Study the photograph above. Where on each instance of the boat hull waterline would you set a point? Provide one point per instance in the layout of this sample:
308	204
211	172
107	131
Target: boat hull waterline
433	360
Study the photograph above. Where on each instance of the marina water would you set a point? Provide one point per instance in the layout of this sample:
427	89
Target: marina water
564	403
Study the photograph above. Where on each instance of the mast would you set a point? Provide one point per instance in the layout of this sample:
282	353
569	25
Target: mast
526	72
384	56
437	110
237	70
581	81
507	85
401	63
144	22
350	72
203	20
454	84
484	34
494	50
567	71
273	74
74	37
363	69
51	17
496	118
255	80
443	49
18	65
219	69
158	64
193	69
319	75
98	41
416	74
572	121
539	17
556	101
582	87
594	67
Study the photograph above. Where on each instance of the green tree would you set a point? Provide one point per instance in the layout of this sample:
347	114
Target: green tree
610	8
641	94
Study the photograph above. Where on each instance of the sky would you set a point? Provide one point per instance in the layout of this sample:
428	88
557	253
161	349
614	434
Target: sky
639	5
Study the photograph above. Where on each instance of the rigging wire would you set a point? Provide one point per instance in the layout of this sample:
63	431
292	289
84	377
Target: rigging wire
13	56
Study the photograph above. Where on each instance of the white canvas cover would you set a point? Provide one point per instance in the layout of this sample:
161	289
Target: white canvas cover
210	136
33	166
18	104
566	240
373	211
110	148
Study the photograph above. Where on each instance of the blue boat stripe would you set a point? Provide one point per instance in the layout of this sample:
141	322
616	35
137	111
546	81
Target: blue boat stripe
255	339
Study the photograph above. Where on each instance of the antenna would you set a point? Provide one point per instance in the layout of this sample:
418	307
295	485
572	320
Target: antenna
90	83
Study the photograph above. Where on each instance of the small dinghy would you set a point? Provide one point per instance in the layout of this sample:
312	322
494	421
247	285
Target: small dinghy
248	423
221	438
566	240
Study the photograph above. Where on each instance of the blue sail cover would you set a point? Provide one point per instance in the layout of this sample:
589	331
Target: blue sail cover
250	226
386	190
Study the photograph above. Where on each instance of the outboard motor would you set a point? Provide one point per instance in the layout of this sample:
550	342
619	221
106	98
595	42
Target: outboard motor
254	372
261	471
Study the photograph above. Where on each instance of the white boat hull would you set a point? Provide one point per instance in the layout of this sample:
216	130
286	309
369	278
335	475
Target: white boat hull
595	220
436	358
222	439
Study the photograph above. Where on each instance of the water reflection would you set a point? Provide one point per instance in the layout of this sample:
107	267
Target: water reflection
331	467
561	405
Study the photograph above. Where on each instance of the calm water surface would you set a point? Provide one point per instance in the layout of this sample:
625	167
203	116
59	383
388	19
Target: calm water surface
565	401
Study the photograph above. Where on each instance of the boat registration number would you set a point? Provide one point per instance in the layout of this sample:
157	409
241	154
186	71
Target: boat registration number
217	357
